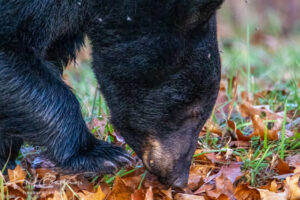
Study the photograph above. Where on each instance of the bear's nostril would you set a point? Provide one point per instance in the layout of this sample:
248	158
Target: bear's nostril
180	183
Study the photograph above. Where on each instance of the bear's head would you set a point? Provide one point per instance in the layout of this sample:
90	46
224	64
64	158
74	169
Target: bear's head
159	70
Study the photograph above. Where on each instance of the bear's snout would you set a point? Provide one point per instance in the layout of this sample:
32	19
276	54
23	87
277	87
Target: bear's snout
169	158
170	171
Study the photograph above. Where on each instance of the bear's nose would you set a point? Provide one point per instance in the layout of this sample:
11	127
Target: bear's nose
181	182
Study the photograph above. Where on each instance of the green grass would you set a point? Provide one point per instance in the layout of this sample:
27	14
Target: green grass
122	172
2	186
282	144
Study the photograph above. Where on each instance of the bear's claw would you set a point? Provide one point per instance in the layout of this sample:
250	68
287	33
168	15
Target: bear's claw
104	159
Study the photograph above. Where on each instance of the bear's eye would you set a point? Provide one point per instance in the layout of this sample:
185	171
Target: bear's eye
195	113
188	99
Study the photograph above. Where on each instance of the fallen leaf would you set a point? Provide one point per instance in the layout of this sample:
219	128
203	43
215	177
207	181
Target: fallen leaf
195	176
83	184
98	195
42	172
223	197
142	194
180	196
216	158
240	136
204	188
273	186
161	194
149	194
282	167
167	193
17	175
235	81
260	128
151	180
246	97
268	195
294	160
248	110
224	185
48	193
202	156
239	144
138	195
232	172
243	192
58	196
214	194
105	188
15	191
222	108
48	178
293	187
213	127
259	115
120	191
132	182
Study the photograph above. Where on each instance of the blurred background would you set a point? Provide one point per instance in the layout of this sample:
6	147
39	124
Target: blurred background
258	39
262	34
276	17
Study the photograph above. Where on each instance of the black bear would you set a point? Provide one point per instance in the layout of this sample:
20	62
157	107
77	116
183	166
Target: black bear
157	63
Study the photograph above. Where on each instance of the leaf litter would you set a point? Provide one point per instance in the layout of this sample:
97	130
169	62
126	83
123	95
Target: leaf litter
238	157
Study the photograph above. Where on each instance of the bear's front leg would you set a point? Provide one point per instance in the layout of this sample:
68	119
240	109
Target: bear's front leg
36	106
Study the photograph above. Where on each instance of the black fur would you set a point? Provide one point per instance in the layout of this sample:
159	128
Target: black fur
157	63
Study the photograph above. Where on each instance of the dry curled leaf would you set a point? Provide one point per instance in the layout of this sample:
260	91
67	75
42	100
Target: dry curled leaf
142	194
58	196
204	188
243	192
17	175
260	128
264	120
293	187
162	194
195	176
240	136
132	182
268	195
213	127
282	167
273	186
216	158
167	194
217	195
232	172
120	191
224	185
180	196
14	191
42	172
98	195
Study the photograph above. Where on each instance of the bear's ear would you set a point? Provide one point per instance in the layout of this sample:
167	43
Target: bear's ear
190	14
